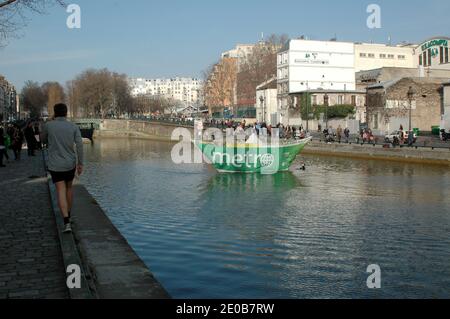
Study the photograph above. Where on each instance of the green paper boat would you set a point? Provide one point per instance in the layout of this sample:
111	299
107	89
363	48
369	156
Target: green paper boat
252	158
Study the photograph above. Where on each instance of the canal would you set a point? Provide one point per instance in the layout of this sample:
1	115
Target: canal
292	235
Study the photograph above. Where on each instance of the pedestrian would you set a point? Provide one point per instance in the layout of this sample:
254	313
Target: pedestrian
347	134
61	136
339	133
2	147
17	142
7	140
31	140
37	136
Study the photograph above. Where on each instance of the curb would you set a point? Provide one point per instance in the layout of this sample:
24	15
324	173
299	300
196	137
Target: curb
110	268
69	248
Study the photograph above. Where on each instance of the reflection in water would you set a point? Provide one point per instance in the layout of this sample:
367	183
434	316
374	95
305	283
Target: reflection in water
245	203
292	235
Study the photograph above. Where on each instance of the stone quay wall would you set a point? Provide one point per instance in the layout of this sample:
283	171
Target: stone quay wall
163	132
138	129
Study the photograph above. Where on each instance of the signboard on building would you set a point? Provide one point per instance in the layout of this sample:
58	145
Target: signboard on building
434	43
312	58
434	53
400	104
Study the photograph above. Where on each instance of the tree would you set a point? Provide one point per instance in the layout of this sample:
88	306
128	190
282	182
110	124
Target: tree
258	67
13	15
170	105
33	98
122	100
73	99
54	93
220	86
100	93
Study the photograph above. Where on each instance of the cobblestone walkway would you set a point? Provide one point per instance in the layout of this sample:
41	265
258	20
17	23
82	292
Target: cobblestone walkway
31	264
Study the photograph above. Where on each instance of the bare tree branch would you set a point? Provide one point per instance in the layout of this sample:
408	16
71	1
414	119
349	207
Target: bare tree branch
13	15
6	3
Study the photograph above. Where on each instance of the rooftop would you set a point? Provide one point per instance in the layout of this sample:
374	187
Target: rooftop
270	84
329	92
388	84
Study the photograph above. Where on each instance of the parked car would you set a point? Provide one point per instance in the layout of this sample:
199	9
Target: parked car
398	134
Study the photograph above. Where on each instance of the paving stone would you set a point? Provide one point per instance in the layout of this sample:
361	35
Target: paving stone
29	244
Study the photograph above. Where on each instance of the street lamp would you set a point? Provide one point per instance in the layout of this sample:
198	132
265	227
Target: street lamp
411	94
262	107
308	101
325	99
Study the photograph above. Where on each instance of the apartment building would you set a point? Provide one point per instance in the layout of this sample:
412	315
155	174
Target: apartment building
186	90
370	56
8	101
305	65
240	52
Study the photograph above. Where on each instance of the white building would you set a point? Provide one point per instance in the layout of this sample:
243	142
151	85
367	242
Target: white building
305	65
266	102
446	107
370	56
240	52
433	55
186	90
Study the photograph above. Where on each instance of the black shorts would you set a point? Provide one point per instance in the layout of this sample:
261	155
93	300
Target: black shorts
67	177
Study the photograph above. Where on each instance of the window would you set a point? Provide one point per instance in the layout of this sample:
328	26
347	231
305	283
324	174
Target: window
314	100
362	55
425	60
421	60
375	121
371	55
402	57
382	56
441	55
430	56
340	100
446	55
354	100
391	56
326	100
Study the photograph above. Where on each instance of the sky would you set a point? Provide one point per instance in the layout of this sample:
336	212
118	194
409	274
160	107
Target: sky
147	38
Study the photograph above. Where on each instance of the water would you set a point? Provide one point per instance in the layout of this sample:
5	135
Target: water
293	235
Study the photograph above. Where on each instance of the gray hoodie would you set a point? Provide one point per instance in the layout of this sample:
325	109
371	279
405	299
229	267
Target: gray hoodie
62	136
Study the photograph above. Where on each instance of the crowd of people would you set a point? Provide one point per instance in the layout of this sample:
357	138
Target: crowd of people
259	128
340	135
13	137
367	136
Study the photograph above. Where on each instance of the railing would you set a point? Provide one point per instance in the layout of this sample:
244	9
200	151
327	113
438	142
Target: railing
88	123
353	140
356	140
